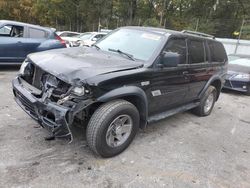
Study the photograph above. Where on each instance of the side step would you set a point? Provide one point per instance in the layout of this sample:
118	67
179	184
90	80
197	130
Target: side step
171	112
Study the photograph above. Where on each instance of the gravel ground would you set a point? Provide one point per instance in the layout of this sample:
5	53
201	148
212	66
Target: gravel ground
182	151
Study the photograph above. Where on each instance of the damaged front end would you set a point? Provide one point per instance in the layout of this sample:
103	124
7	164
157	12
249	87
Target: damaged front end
49	100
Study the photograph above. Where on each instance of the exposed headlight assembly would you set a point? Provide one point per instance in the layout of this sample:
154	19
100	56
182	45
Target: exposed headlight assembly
79	91
23	66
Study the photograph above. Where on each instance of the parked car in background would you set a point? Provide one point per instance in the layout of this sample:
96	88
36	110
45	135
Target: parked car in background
67	33
18	39
89	38
69	37
238	75
132	77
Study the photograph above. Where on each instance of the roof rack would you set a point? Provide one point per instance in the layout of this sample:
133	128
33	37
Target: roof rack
198	33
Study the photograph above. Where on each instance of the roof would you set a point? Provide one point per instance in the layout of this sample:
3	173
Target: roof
68	32
25	24
168	31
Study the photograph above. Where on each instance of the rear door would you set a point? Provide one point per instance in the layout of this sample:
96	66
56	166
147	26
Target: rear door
199	67
12	43
34	39
169	85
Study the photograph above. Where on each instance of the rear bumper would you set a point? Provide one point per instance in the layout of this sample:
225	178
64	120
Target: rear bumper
50	115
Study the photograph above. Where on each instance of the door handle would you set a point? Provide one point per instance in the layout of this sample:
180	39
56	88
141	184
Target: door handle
185	72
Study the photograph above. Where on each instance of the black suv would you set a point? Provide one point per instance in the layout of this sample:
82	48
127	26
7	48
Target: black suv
131	77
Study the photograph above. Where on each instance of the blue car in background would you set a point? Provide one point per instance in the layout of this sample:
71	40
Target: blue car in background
18	39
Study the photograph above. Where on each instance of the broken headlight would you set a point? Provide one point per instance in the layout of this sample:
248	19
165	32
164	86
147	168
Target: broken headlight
26	71
23	67
79	91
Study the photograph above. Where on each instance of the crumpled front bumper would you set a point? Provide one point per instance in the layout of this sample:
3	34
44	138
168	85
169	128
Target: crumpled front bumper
49	114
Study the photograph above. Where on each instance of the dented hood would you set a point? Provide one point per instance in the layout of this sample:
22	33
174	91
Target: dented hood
81	63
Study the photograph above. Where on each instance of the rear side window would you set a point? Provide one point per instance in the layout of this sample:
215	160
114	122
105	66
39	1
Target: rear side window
217	51
37	33
177	45
196	52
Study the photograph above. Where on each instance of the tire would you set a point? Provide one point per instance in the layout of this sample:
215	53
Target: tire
204	109
100	130
248	90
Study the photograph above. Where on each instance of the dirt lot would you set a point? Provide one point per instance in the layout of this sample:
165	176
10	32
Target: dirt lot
182	151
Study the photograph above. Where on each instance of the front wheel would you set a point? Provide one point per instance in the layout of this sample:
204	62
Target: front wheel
112	128
207	102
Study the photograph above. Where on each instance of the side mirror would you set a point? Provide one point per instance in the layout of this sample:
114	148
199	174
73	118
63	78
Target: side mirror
94	39
170	59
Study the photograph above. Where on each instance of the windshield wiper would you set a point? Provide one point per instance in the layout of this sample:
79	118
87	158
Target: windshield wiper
124	53
97	47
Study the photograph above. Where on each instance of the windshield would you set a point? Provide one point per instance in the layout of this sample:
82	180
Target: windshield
140	44
85	36
236	60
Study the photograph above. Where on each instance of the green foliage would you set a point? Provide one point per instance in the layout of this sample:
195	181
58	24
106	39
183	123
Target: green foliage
152	22
246	32
218	17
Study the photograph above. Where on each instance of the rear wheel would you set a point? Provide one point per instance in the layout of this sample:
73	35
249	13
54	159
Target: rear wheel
207	102
248	90
112	128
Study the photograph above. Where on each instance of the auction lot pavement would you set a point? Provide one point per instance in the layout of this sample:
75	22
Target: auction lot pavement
182	151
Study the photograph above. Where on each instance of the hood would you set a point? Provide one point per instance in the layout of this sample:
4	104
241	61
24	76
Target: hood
80	63
233	68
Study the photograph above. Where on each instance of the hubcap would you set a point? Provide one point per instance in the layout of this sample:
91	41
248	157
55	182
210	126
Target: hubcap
119	130
209	103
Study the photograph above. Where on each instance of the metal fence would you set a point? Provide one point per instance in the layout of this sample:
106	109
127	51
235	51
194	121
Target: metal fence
234	46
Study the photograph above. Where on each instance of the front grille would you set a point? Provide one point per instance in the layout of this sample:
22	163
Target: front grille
36	82
26	103
39	79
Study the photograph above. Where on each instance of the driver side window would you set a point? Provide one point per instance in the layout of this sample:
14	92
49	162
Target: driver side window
11	31
177	46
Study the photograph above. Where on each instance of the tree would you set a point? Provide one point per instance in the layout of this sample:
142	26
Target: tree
218	17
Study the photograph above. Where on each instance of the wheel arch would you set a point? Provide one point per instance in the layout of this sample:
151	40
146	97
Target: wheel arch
132	94
215	81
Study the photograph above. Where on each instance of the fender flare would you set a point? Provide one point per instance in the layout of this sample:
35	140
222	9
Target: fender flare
211	80
130	91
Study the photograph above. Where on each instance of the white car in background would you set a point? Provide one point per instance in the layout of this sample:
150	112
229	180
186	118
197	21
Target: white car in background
89	38
69	37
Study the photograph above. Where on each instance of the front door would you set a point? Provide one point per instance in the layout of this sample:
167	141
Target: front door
11	43
169	85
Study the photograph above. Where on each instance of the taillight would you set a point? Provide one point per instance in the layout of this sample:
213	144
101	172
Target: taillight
61	40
